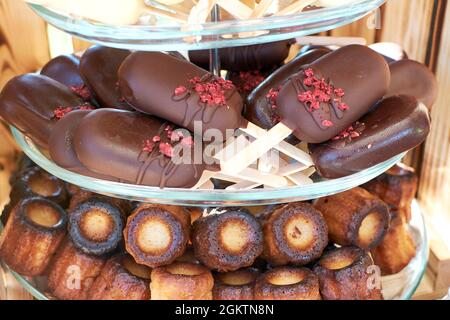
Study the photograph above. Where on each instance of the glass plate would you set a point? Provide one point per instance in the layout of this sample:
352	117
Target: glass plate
212	198
165	37
400	286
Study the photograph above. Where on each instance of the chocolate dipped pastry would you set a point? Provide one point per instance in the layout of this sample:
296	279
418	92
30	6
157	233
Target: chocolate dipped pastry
412	78
227	241
137	149
246	58
35	182
179	91
397	187
72	272
235	285
260	106
287	283
96	226
32	235
294	233
355	217
64	69
397	124
61	145
345	274
397	248
33	104
121	279
99	68
157	235
181	281
331	93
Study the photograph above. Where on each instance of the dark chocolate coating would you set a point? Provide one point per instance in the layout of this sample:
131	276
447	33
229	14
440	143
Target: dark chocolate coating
61	145
412	78
362	73
28	103
255	57
110	142
64	69
258	108
99	68
396	125
148	81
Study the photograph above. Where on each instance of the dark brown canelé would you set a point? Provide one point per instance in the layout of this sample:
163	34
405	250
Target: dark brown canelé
235	285
32	235
181	281
96	226
345	274
35	182
81	196
227	241
122	279
355	217
287	283
294	234
157	235
72	272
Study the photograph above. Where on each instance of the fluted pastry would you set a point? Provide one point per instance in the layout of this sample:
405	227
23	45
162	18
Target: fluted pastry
235	285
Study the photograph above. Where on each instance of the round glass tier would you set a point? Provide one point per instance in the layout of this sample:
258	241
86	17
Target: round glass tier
228	33
400	286
216	197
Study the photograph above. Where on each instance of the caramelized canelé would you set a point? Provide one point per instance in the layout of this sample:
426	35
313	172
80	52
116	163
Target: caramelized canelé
287	283
348	273
355	217
235	285
181	281
32	235
227	241
157	235
294	233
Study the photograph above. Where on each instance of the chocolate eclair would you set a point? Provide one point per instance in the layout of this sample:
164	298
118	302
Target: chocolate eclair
397	124
99	68
178	91
65	69
136	148
34	103
227	241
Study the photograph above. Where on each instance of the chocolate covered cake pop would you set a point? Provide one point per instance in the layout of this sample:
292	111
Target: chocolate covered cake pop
99	68
397	124
333	92
33	104
136	148
246	58
180	92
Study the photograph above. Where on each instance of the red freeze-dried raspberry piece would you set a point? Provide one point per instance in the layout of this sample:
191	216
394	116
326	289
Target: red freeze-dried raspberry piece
249	80
210	93
156	139
60	112
180	90
187	141
82	91
166	149
327	123
148	146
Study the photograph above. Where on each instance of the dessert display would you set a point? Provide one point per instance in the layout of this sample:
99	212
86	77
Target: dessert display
287	283
235	285
355	217
32	235
227	241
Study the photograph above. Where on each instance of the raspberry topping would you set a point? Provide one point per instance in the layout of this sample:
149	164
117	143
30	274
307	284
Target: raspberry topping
60	112
81	91
166	147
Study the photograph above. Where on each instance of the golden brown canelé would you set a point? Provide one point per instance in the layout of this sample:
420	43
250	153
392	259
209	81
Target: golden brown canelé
181	281
35	182
287	283
235	285
72	272
346	273
156	235
32	235
397	188
122	279
294	233
96	226
355	217
84	195
227	241
397	248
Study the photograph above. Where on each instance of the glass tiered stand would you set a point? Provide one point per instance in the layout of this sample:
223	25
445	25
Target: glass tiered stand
164	36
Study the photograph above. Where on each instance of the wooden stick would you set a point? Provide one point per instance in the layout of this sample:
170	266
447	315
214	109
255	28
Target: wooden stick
236	8
299	179
243	185
261	9
330	41
295	7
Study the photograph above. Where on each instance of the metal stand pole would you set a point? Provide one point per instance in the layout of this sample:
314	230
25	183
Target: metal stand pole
214	59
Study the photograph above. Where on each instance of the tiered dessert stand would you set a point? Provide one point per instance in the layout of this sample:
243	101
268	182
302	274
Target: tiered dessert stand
165	36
